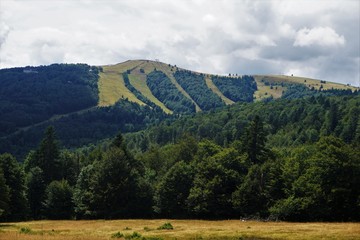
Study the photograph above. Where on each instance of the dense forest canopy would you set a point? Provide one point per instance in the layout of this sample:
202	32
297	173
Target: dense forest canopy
195	85
162	88
295	160
238	89
33	94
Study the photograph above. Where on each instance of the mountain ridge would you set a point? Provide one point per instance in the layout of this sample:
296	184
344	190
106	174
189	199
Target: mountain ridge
265	83
130	96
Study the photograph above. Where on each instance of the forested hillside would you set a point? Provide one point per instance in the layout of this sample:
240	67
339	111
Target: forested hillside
86	127
34	94
295	160
68	95
288	122
195	86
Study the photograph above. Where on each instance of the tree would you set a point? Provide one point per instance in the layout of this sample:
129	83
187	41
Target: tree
216	178
173	190
113	186
46	157
259	190
4	196
35	191
15	180
324	185
58	201
86	199
254	141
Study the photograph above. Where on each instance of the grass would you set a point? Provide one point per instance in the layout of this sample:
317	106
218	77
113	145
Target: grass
112	87
266	91
182	229
309	82
138	80
213	88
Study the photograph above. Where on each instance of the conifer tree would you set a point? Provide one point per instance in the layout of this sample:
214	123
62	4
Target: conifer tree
254	141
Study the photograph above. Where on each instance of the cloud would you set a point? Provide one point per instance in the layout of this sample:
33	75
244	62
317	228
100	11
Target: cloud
214	36
321	36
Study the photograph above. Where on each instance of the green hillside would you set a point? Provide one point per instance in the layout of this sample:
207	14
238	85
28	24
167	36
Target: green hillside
228	89
129	141
34	94
70	94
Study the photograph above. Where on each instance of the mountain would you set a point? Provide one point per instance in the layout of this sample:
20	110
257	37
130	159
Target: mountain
89	103
112	86
223	146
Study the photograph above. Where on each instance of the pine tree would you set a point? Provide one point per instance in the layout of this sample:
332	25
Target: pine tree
254	141
46	157
35	191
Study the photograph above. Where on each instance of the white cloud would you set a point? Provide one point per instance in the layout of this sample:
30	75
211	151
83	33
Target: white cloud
214	36
321	36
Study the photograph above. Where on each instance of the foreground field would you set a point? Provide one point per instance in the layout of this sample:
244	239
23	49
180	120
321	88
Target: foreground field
183	229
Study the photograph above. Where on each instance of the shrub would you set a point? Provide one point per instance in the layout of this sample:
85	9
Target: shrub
166	226
135	235
117	235
26	230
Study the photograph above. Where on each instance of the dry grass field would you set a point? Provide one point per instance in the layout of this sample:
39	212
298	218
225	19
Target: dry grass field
183	229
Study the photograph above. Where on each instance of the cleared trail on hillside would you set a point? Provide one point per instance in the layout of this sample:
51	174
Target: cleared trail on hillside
215	90
173	80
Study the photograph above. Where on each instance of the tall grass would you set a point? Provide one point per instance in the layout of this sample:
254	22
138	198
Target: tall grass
182	229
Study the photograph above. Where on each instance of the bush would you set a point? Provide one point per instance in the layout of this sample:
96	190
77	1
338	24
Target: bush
135	235
117	235
26	230
166	226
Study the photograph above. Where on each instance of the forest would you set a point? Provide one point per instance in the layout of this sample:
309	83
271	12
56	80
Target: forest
162	88
195	85
291	159
236	88
33	94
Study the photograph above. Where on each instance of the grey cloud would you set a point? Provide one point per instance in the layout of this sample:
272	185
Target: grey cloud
215	36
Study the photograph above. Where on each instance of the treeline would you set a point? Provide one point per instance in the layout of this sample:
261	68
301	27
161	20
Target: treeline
294	91
86	127
194	84
238	89
289	122
188	179
33	94
164	90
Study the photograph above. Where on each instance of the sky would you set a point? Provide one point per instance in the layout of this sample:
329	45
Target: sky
310	38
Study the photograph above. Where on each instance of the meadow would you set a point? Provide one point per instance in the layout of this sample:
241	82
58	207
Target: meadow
182	229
